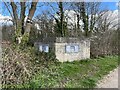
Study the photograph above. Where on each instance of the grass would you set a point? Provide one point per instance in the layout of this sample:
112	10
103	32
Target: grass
77	74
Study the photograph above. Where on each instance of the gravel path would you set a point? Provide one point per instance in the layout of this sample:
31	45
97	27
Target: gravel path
109	81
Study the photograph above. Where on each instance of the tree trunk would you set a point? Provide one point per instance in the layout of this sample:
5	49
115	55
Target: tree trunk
84	18
14	10
61	17
22	16
32	10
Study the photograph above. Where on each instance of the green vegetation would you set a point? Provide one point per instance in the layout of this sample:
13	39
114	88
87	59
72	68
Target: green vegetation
41	70
21	63
25	67
77	74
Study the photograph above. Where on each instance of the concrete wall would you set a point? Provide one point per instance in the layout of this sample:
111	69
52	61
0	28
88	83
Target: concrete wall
58	45
83	53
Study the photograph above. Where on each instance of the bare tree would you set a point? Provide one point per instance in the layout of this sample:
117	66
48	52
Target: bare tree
45	24
105	40
87	12
21	30
61	24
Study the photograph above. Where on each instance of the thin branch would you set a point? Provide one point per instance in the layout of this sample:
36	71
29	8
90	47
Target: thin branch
8	8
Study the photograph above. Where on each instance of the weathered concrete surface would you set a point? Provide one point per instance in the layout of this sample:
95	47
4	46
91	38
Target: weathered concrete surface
83	52
58	46
109	81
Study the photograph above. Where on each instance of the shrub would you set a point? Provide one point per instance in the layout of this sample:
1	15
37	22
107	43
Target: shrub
20	64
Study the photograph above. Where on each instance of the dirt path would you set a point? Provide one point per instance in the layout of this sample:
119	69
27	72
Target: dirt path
109	81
